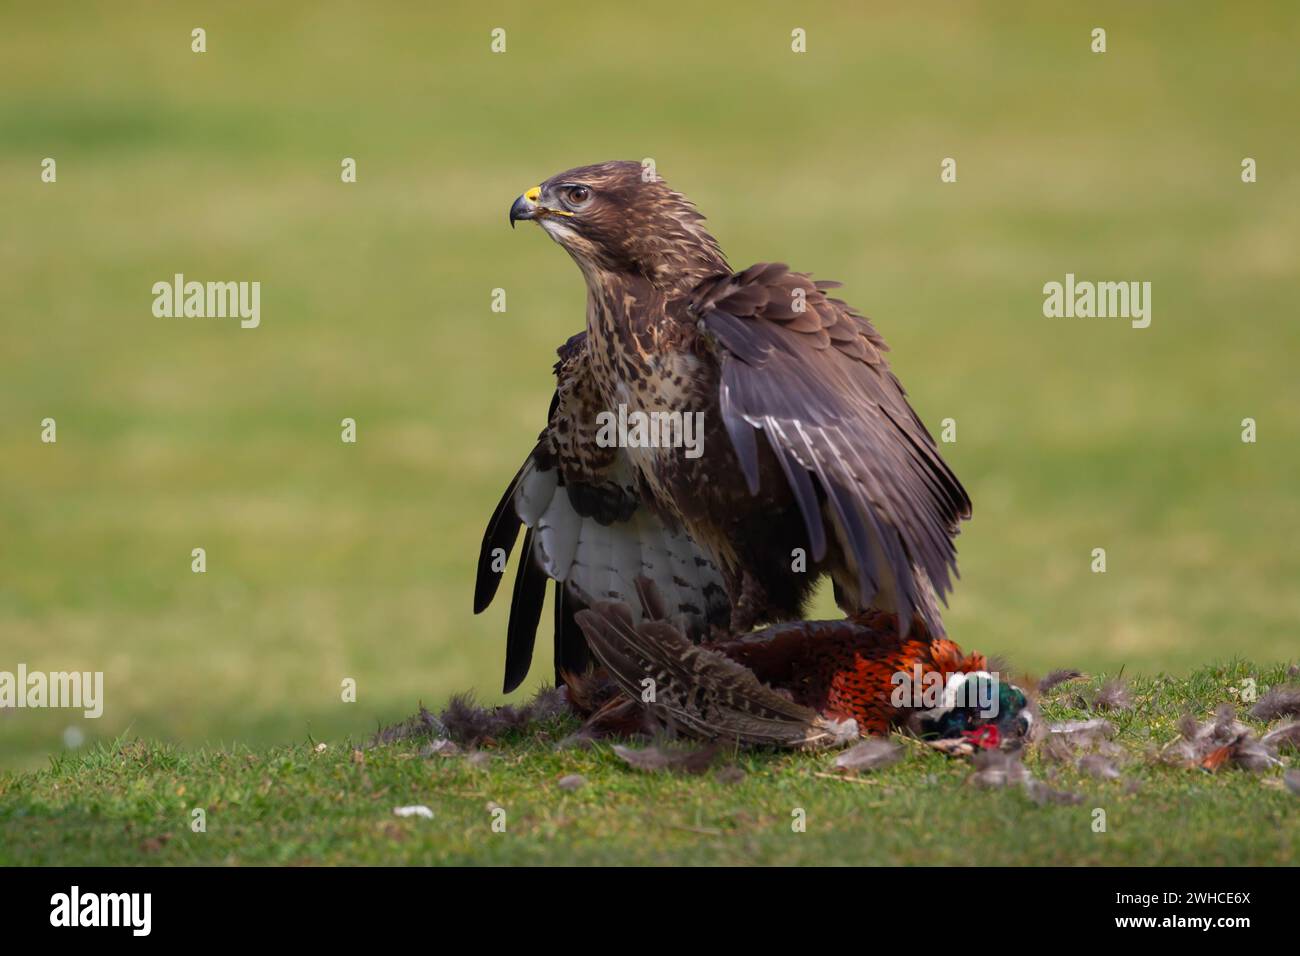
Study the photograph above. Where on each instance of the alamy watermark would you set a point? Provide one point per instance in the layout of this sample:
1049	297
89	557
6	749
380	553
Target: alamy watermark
75	908
56	689
638	429
1085	300
936	691
208	300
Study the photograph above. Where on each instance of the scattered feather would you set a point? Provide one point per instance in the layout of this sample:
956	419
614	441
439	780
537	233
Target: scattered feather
1250	753
471	725
1056	678
1285	737
1218	743
842	731
1085	745
440	748
1099	766
1041	793
1114	694
419	810
874	753
729	775
467	723
1292	780
952	746
1097	725
653	759
422	725
1281	701
994	768
1058	748
549	703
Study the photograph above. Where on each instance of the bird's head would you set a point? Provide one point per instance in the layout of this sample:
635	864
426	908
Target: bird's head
982	708
621	218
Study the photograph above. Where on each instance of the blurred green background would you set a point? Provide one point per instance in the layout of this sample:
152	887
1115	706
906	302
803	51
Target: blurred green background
328	560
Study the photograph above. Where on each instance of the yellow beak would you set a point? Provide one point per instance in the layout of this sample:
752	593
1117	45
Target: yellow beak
527	207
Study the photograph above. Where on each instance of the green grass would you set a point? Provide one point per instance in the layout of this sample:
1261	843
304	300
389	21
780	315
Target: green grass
130	802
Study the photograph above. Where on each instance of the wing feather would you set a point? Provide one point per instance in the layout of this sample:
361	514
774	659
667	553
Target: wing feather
808	373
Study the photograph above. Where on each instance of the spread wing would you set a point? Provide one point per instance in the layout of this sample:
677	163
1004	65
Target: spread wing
808	372
589	530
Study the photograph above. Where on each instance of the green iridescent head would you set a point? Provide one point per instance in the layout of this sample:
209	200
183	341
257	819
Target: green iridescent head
973	703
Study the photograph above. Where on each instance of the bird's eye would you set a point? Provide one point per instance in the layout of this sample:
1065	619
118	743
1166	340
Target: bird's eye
578	195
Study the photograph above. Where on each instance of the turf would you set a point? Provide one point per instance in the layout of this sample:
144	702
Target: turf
331	802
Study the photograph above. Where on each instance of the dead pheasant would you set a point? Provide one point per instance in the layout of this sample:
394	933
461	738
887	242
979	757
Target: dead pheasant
802	683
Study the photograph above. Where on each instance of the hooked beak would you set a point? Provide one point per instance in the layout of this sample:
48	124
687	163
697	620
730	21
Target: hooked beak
525	207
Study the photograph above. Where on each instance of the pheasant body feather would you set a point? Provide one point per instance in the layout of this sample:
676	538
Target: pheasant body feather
847	669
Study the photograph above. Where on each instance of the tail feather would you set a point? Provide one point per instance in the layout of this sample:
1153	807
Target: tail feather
500	535
710	695
571	655
525	612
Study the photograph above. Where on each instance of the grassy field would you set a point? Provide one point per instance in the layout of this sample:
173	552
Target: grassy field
328	561
133	803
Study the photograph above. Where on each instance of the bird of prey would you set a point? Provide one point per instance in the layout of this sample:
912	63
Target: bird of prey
809	460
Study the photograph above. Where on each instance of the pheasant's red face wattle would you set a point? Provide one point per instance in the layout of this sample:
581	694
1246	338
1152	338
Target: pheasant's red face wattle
986	737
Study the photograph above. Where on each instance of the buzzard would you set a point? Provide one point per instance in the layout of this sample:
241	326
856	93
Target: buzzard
810	462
